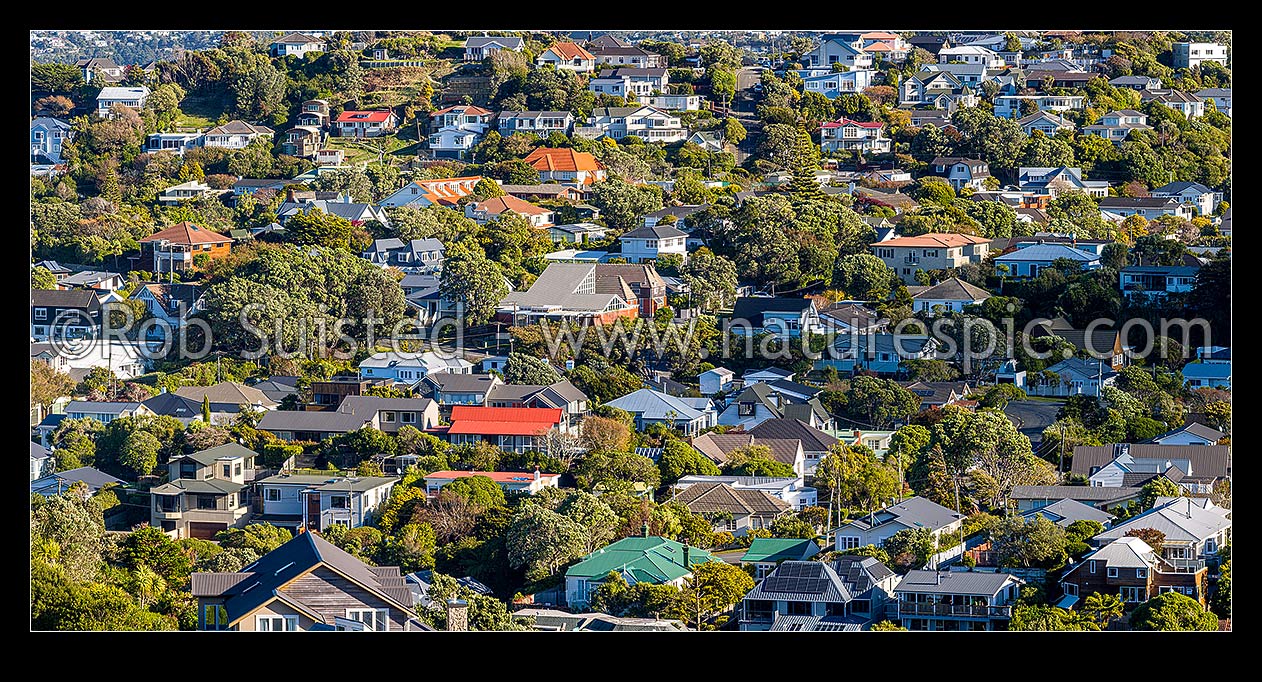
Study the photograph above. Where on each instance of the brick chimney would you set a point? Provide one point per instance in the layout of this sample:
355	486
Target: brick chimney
457	615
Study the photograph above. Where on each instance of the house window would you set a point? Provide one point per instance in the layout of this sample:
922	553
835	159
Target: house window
798	608
847	542
1071	589
276	623
1131	595
227	471
168	503
214	617
271	494
1091	566
376	620
340	502
407	417
237	470
746	409
41	313
1141	573
1112	572
206	501
388	418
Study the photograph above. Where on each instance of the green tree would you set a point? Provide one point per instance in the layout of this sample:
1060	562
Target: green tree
910	548
592	515
622	204
1221	602
733	131
1172	611
47	384
41	278
756	460
542	541
259	538
1158	487
887	626
711	279
70	533
879	402
153	548
314	227
864	276
1151	537
804	186
1043	618
680	459
1037	542
469	278
526	369
479	490
140	452
713	587
1103	607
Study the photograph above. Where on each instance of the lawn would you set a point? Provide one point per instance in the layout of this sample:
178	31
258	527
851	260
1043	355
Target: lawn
197	111
358	151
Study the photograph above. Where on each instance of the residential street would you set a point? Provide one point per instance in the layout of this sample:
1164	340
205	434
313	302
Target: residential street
1031	417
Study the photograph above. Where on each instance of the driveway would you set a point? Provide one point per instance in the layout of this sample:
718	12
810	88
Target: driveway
1032	416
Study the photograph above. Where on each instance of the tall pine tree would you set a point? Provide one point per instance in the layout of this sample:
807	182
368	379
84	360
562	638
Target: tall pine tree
803	186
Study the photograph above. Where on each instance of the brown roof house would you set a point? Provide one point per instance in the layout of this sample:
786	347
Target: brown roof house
735	510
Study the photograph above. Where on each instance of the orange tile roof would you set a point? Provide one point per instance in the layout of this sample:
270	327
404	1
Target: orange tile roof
557	159
880	35
447	191
503	421
941	239
569	51
498	205
187	233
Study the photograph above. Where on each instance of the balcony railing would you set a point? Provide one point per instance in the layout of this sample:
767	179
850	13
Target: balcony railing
911	260
1181	566
919	609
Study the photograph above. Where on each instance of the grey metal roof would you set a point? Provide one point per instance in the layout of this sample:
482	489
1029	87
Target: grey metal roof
94	478
1066	511
1048	252
214	584
955	582
100	407
39	451
813	440
753	308
323	422
915	512
462	383
369	405
655	405
1206	460
210	486
227	450
953	289
1181	519
1196	429
787	623
558	286
655	232
1125	552
510	42
1072	492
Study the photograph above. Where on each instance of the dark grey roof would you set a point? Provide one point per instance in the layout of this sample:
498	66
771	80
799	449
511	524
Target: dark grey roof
634	71
173	405
209	486
1206	460
368	405
1196	429
511	42
813	440
1065	512
860	573
1137	202
461	383
1072	492
787	623
304	552
94	478
677	211
955	582
784	385
953	289
38	451
67	298
811	581
1179	187
209	456
322	422
752	308
655	232
915	512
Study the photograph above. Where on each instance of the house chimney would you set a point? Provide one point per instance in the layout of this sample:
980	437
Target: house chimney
687	556
937	577
644	530
536	473
457	615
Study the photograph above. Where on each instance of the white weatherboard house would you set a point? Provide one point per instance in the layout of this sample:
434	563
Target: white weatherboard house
132	98
648	243
409	368
951	295
689	415
913	513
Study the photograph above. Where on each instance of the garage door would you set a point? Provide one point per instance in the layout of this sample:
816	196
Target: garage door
205	531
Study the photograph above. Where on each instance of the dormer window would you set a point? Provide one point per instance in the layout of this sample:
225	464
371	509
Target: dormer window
746	409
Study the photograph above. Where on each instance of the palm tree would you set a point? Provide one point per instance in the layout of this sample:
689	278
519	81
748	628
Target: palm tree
1103	607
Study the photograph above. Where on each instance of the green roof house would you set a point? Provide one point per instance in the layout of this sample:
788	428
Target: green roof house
648	558
766	553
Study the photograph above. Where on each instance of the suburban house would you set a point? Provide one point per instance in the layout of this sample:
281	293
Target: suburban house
483	212
762	401
353	413
951	295
576	233
541	123
1212	369
415	256
554	620
565	166
937	393
838	49
1045	122
571	291
675	101
511	481
103	69
455	130
567	57
1191	55
891	46
843	595
627	56
47	136
306	584
1137	281
1031	260
735	510
69	313
930	251
1221	97
1137	82
649	243
846	316
365	123
206	492
303	141
956	600
41	461
833	85
1065	512
715	380
132	98
228	394
1116	125
440	192
1195	529
1194	467
235	135
316	502
1100	342
1190	106
457	389
552	191
688	415
849	135
645	122
880	353
971	54
1051	181
1071	376
188	190
57	483
789	489
1151	207
1009	106
1129	569
297	44
477	48
314	112
960	172
718	448
104	412
779	316
912	513
1192	433
630	83
815	443
767	553
1031	497
342	206
403	367
178	248
512	429
941	89
644	559
1204	199
562	395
